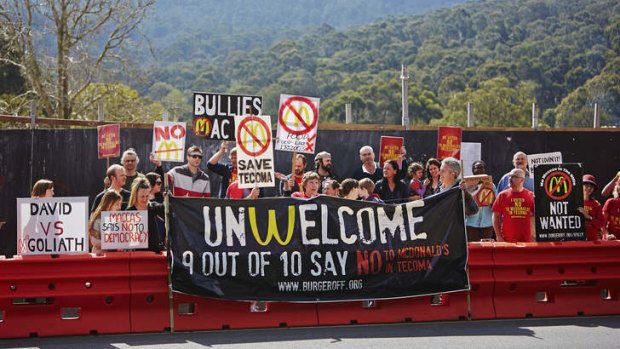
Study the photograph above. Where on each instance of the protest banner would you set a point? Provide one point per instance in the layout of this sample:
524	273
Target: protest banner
214	113
124	230
298	118
169	141
541	159
254	152
449	142
320	249
389	148
52	225
558	193
108	141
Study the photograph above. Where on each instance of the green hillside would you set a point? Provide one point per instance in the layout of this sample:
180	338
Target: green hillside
500	55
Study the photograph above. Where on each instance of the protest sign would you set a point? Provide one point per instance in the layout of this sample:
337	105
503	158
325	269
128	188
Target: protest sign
449	142
541	159
298	118
254	152
389	148
558	193
321	249
169	141
214	113
108	141
470	152
124	230
52	225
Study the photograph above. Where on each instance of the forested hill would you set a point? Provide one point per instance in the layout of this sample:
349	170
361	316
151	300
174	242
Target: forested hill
500	55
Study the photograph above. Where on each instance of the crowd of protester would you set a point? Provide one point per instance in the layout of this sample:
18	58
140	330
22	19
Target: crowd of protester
507	215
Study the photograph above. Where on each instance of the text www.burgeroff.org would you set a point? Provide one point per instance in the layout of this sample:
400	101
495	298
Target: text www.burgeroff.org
320	286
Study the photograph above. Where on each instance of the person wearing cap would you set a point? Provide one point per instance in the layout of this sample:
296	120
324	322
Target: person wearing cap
370	168
189	179
611	215
324	168
519	160
513	211
591	210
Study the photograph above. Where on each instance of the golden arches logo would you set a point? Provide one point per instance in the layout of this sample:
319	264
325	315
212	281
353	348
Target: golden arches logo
258	131
303	111
557	184
272	227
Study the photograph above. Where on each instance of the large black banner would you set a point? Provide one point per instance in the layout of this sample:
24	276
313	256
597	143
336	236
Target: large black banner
321	249
558	193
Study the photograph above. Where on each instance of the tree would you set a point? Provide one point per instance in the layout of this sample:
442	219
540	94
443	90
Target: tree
62	46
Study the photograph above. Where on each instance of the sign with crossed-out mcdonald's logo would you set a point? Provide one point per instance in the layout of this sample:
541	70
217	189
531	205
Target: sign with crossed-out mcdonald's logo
254	151
558	194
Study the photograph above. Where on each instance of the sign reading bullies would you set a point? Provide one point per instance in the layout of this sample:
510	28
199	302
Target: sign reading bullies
52	225
298	119
558	194
169	141
254	152
449	142
124	230
321	249
214	113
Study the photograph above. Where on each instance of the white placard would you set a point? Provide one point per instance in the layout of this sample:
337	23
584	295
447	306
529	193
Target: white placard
124	230
298	119
169	141
52	225
543	158
470	152
254	151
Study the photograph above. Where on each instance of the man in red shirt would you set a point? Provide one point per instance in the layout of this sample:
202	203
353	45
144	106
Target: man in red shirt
513	211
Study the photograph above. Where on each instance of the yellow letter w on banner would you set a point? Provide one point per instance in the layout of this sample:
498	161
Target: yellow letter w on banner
272	227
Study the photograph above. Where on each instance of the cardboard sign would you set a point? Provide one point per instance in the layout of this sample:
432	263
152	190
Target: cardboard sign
541	159
169	141
214	113
254	152
449	142
124	230
298	118
108	141
52	225
558	193
389	148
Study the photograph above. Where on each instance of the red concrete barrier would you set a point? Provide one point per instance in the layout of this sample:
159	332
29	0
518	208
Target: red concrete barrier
556	279
481	280
66	295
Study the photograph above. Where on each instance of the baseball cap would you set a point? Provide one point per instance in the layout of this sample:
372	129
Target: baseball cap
322	155
517	172
588	178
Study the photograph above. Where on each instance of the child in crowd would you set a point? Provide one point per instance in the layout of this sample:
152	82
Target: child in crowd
367	191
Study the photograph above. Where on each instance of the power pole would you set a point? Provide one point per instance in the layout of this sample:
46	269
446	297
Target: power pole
404	76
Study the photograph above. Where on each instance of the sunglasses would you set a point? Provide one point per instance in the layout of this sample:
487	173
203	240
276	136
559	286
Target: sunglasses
157	182
195	156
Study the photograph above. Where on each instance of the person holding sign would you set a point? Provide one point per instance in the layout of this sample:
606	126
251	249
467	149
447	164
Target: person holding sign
390	189
513	211
43	188
139	201
189	179
591	210
611	214
110	201
228	172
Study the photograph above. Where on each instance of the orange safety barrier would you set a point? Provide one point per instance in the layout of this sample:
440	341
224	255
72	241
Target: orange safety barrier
64	295
556	279
481	280
150	303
